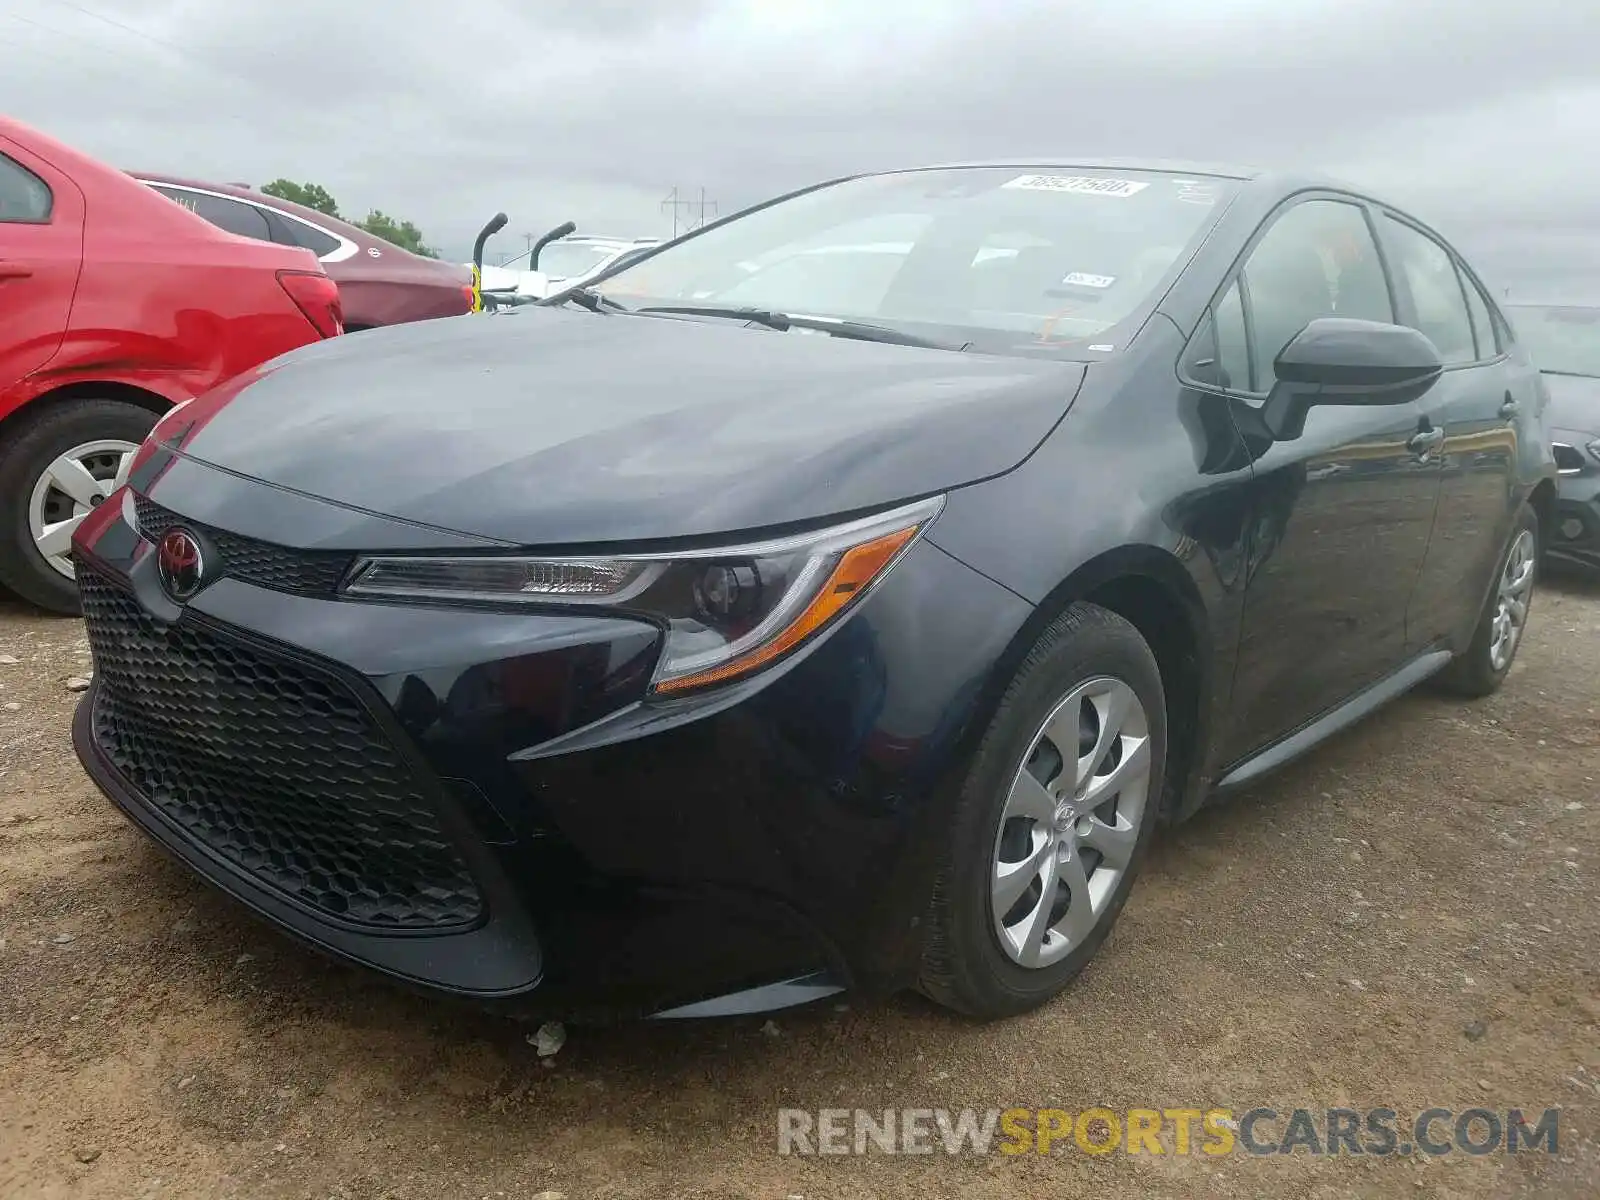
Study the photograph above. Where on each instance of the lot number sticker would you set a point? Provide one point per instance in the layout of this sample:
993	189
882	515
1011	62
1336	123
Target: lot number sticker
1077	185
1084	279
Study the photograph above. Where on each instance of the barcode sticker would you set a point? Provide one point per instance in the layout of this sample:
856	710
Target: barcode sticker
1077	185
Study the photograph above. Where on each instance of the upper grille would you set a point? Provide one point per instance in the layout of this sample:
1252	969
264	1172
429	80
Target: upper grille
303	572
276	766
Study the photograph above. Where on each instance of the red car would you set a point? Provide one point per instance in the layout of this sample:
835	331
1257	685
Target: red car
379	283
115	305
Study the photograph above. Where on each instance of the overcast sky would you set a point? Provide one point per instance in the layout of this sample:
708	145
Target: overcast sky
1482	118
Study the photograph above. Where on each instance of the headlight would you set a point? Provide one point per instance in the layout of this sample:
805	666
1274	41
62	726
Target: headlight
728	610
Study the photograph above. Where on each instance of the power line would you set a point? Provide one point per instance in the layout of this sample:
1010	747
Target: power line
678	207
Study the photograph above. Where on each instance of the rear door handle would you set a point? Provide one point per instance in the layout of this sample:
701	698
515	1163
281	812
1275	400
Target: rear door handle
1425	441
14	272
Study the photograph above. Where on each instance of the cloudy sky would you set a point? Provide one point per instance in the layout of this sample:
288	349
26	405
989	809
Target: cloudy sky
1481	118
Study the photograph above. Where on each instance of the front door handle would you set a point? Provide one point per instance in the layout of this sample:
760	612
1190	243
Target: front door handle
1425	441
14	272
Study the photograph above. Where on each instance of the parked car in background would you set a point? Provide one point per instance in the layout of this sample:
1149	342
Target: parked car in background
1564	340
379	283
563	263
115	305
710	655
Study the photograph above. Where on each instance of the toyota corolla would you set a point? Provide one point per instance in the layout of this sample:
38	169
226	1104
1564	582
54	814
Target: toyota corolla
837	597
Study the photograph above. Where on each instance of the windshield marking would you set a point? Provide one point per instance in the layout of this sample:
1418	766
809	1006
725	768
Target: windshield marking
1078	185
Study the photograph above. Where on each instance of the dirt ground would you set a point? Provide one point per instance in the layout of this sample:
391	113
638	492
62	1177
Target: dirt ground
1411	917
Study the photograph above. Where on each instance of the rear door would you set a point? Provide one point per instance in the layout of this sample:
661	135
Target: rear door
41	253
1475	405
1342	513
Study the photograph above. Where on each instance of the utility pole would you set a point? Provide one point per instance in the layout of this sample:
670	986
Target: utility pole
678	207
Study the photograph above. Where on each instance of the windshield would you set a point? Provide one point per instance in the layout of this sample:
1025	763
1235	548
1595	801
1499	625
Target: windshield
1007	260
562	260
1561	338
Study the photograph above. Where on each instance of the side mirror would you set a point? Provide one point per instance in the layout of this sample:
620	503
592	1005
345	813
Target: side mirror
1338	360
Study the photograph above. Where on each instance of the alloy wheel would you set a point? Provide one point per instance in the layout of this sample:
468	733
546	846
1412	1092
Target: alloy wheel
1071	822
1511	602
68	488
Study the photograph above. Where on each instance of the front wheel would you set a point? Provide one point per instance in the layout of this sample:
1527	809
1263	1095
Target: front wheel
1053	821
55	467
1483	666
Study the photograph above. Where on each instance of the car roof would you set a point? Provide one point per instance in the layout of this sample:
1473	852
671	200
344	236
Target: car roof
1264	178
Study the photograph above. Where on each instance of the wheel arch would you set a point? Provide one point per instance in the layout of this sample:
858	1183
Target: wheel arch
1543	501
85	389
1150	588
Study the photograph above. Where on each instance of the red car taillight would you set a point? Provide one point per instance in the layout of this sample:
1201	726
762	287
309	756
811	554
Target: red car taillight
318	297
469	297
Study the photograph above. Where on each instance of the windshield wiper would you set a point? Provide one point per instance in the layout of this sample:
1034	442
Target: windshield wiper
761	316
860	331
585	298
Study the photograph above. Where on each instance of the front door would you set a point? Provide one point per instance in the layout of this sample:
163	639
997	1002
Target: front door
41	251
1343	512
1475	403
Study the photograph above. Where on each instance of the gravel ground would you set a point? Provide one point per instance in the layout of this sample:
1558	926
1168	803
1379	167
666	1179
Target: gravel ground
1408	918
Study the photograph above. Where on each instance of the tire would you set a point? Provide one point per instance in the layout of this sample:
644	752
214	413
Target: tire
1481	668
973	961
27	451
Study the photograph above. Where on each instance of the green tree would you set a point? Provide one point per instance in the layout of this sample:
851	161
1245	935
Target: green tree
402	233
312	195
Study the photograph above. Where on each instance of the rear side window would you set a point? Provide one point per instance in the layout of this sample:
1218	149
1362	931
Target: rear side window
1483	325
314	240
235	216
1430	276
25	199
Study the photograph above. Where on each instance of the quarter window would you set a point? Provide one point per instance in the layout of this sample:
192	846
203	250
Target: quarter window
24	198
1233	346
1435	287
1317	260
314	240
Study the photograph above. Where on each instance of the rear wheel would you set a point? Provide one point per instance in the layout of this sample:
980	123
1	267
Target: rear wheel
1484	665
54	469
1054	820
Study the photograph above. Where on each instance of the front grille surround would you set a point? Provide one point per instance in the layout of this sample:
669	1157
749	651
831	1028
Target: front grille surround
276	766
250	560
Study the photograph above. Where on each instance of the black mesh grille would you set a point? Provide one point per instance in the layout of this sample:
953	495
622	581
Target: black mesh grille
276	767
1568	458
304	572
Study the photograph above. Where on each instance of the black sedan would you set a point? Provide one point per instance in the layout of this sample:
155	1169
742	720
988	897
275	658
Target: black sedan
1564	340
837	597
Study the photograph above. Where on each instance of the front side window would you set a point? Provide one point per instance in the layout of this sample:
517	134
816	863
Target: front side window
1008	260
24	198
1317	259
1435	286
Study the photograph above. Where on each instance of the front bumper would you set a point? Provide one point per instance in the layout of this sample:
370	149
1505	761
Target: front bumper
1576	538
625	856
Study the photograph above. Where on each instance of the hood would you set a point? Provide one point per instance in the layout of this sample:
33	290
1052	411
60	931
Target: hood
1574	403
552	426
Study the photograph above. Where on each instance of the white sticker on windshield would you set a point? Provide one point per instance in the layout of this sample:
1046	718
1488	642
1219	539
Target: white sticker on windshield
1191	192
1083	279
1078	185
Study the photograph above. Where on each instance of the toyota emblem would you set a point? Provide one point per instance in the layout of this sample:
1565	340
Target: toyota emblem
180	564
